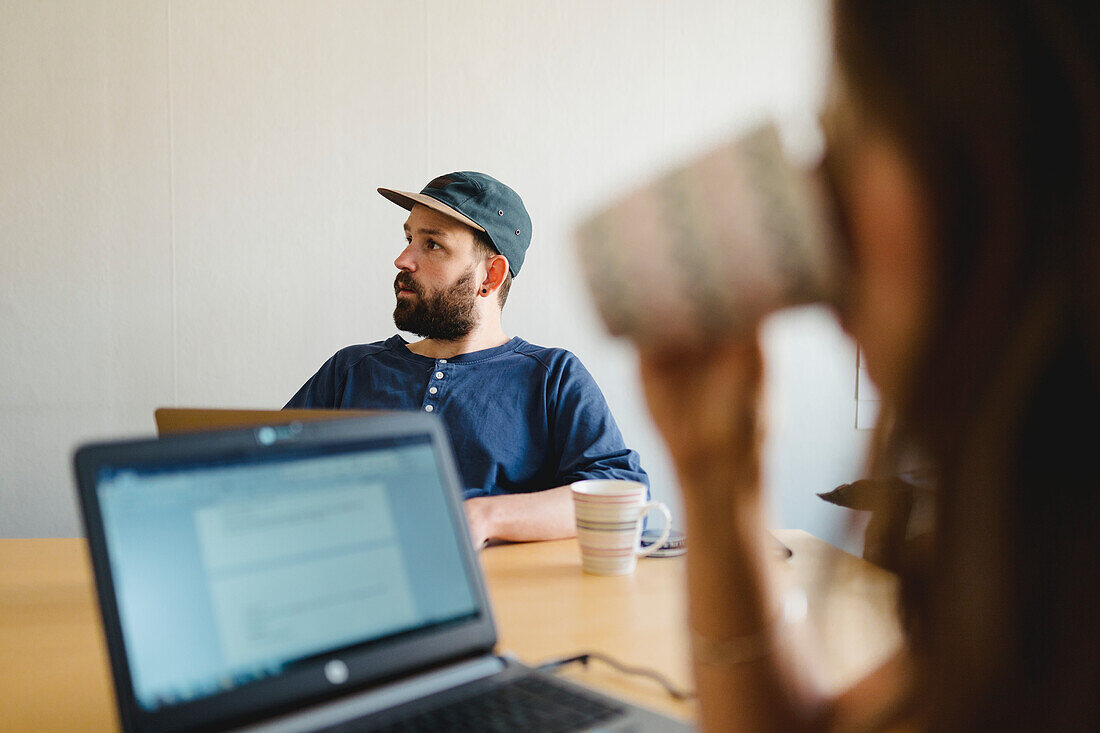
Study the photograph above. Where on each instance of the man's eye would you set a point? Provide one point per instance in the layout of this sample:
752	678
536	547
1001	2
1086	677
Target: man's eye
433	245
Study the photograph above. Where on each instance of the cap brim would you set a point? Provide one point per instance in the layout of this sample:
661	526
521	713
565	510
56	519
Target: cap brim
407	199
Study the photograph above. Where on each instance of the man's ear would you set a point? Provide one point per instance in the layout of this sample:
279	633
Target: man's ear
496	269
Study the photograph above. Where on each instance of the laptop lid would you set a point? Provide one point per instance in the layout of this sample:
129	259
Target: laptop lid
171	420
233	567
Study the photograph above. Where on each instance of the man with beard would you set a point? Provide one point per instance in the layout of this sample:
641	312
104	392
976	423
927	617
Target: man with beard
525	421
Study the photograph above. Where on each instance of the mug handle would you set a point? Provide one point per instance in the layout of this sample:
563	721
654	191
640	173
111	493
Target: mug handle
664	534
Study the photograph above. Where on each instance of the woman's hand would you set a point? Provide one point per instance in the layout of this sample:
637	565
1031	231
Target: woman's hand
706	404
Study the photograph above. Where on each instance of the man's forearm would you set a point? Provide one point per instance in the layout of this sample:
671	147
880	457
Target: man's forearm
539	515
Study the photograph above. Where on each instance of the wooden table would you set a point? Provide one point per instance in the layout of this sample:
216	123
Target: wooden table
54	673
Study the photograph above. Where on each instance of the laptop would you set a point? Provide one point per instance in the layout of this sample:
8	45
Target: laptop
172	420
304	577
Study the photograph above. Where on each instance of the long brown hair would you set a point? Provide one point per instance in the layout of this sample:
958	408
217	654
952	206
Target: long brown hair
997	105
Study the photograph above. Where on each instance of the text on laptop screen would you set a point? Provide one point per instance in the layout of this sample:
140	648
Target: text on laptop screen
229	573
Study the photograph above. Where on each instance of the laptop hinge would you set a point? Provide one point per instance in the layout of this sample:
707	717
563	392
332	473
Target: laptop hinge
388	696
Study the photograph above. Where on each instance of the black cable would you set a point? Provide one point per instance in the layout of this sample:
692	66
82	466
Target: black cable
673	690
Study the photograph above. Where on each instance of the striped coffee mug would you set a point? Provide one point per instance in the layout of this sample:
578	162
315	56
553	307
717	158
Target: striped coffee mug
708	249
609	524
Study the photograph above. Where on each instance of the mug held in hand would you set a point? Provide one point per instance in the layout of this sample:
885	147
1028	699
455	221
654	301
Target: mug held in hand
711	248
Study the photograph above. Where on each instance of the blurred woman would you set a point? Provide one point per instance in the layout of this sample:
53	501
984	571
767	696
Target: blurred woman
964	153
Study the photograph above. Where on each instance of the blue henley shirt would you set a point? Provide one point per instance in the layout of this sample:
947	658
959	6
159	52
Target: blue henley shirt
521	417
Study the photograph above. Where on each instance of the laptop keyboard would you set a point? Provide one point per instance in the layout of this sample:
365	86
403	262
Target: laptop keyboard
529	704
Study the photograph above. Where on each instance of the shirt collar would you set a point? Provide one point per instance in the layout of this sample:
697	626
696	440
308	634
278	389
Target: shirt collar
398	344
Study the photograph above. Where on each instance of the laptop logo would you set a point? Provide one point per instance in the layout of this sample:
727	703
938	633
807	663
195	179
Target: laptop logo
336	672
268	434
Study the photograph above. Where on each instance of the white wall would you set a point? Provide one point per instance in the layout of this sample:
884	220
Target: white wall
188	212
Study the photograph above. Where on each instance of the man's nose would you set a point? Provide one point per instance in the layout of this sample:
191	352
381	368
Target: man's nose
405	261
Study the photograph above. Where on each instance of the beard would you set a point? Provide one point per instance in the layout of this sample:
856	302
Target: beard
445	315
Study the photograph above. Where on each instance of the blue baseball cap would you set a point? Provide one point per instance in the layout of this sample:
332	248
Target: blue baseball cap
479	201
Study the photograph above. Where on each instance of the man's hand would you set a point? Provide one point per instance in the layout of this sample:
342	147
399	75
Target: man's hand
477	519
539	515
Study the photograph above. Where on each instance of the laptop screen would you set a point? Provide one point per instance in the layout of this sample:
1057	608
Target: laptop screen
228	572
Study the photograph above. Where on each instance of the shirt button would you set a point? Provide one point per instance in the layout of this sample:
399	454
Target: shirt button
428	408
439	375
433	390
